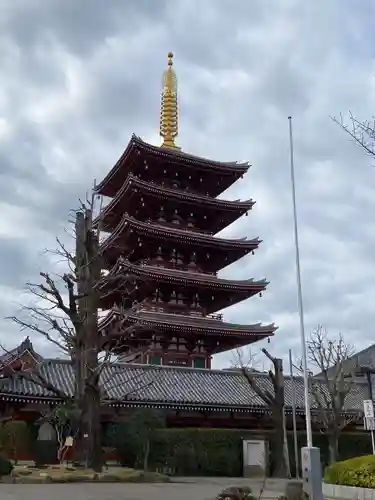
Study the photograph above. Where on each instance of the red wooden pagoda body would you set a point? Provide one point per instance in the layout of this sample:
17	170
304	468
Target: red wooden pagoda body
161	221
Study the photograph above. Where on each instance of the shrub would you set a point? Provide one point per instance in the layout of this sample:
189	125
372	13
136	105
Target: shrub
6	466
359	471
236	493
15	437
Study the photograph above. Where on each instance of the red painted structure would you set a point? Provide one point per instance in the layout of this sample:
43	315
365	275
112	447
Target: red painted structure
162	219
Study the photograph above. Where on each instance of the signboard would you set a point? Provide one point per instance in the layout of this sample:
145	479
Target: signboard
368	408
69	441
369	424
369	420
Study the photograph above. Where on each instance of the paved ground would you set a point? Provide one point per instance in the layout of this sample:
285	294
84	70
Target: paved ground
187	489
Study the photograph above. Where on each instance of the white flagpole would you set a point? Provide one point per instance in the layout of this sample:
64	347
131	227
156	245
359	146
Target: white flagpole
299	295
295	435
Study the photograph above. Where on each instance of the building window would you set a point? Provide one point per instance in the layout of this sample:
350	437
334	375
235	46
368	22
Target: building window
156	360
199	363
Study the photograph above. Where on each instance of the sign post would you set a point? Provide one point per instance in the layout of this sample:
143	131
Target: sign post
369	420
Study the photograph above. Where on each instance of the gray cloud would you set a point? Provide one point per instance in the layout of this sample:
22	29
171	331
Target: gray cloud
78	78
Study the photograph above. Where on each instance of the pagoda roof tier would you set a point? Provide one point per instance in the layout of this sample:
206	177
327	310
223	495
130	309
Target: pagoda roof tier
138	152
227	292
217	213
119	243
150	322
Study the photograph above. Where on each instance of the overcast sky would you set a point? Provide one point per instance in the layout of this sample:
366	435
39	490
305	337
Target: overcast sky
79	77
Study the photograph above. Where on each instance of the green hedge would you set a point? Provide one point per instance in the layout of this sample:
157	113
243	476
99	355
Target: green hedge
350	445
216	452
359	471
207	452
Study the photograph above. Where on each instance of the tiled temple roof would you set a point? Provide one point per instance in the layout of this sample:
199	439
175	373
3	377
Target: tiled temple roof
25	346
173	387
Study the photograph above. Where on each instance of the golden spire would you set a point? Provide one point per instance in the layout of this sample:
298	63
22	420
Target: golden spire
169	111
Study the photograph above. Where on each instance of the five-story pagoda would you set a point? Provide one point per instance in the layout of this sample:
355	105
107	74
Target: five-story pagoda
162	218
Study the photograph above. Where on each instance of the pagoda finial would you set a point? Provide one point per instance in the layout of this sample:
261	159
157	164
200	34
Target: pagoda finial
169	111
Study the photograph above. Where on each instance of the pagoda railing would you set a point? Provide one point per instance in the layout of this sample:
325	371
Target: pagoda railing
191	312
179	267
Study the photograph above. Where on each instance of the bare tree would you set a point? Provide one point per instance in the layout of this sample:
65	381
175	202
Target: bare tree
275	401
66	314
331	386
362	132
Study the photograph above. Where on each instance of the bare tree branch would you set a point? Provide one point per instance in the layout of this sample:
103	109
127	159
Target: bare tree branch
363	133
331	386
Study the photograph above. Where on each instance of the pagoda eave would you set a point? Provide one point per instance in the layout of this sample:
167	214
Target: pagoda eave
124	268
116	285
223	298
111	184
135	189
179	155
185	324
119	238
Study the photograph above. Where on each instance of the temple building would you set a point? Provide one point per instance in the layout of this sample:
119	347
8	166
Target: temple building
161	224
162	221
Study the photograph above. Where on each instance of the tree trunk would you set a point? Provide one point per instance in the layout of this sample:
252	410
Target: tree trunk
278	417
333	447
87	389
91	426
78	357
286	447
146	454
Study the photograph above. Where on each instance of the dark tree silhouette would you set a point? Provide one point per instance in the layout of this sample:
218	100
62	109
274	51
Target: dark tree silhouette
66	315
275	401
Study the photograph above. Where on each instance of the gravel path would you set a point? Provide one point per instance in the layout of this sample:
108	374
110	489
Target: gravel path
189	489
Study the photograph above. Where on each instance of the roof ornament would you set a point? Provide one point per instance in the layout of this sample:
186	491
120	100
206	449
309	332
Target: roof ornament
169	110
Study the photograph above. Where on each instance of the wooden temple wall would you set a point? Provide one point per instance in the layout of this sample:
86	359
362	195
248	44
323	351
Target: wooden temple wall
31	412
261	424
